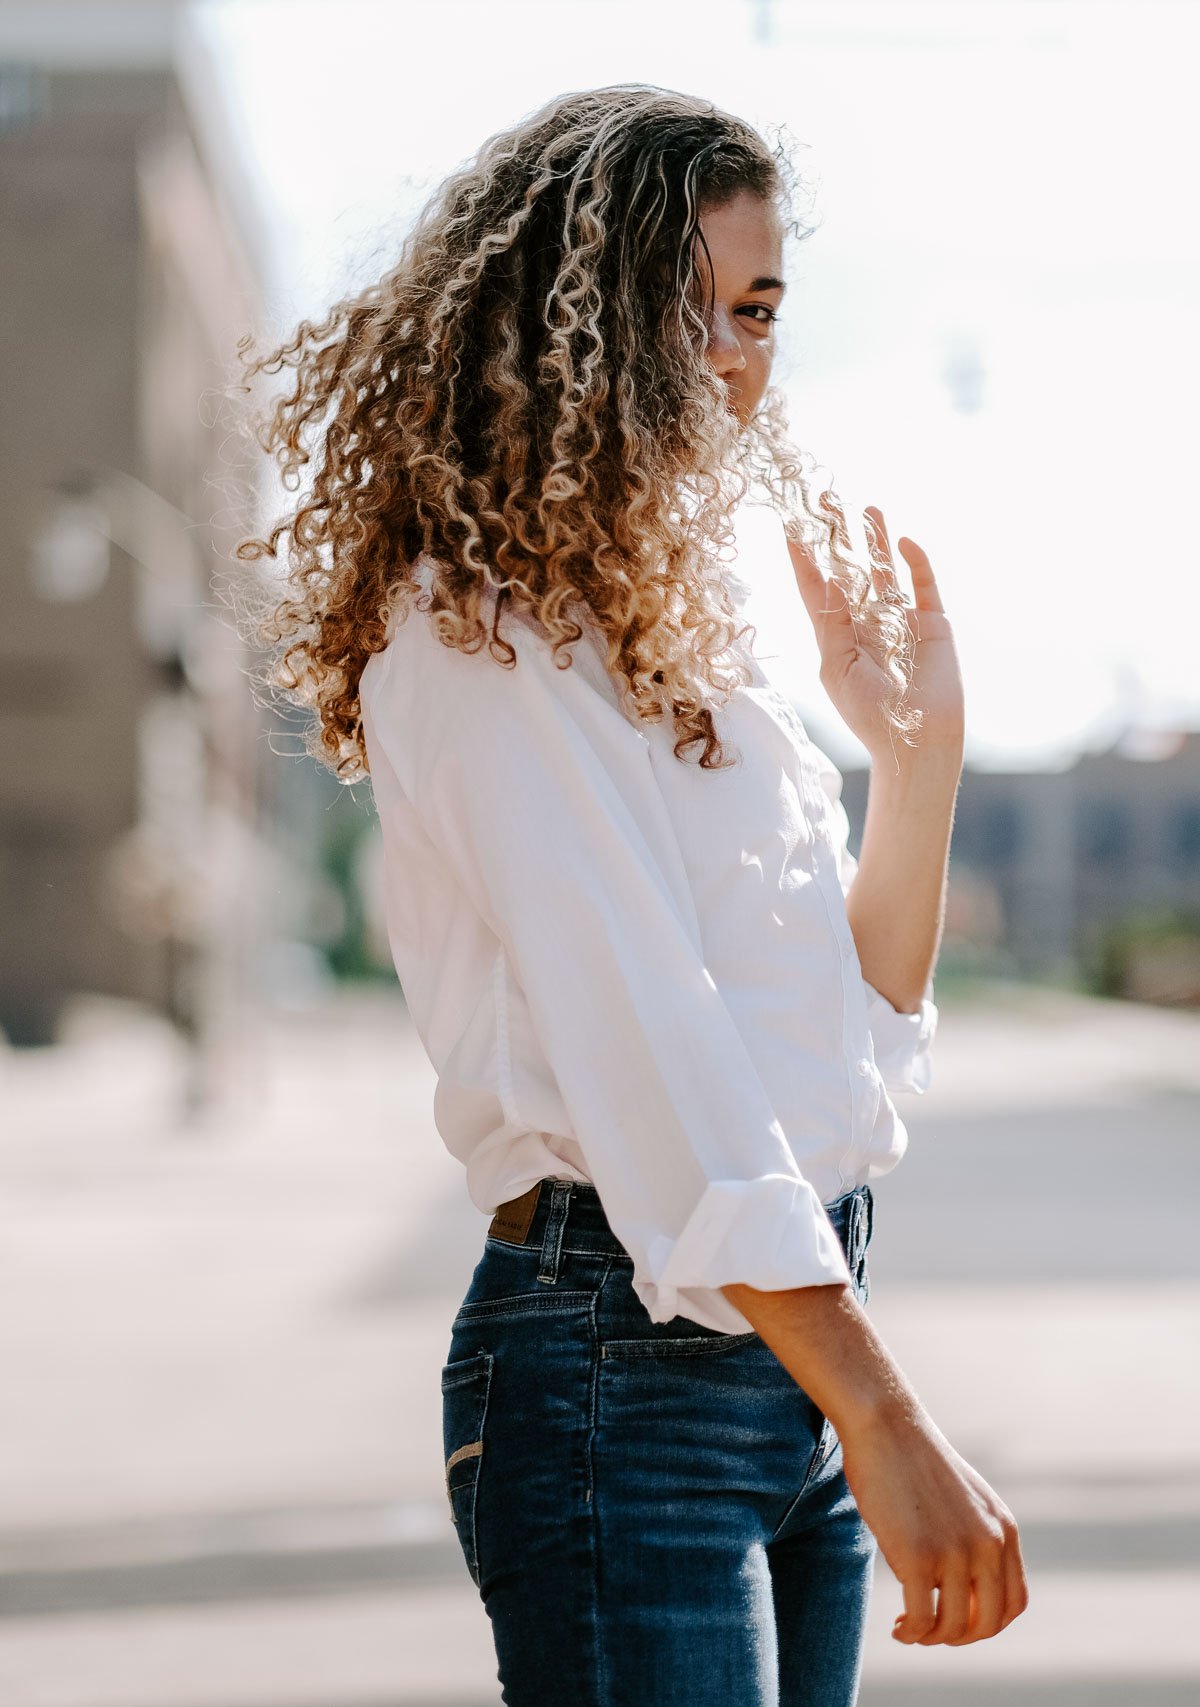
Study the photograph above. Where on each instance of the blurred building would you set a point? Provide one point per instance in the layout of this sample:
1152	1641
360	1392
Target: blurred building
1050	866
131	757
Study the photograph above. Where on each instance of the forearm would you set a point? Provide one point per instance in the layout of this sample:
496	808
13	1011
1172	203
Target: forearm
896	901
825	1340
938	1524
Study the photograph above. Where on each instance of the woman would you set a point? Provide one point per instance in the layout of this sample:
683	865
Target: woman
666	1007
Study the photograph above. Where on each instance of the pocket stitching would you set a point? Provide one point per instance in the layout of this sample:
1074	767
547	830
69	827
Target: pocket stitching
683	1345
520	1304
457	1374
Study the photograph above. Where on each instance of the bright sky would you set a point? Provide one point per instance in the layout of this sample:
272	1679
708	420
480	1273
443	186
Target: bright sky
993	335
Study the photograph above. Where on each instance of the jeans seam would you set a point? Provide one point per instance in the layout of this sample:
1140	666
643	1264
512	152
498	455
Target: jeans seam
594	1397
816	1457
590	1494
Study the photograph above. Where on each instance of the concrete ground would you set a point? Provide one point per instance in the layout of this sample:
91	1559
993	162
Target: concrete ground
220	1454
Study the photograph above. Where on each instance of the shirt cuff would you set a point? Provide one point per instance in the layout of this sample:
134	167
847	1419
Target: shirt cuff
901	1041
771	1233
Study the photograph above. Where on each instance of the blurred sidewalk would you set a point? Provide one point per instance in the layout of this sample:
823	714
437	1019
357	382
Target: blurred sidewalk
220	1452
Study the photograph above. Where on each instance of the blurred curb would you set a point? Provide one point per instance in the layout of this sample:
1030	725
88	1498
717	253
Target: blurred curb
224	1557
323	1550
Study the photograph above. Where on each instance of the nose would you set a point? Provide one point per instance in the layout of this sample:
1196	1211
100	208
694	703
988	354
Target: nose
724	349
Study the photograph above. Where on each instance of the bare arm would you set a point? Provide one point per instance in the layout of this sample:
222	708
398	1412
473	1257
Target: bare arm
896	902
937	1522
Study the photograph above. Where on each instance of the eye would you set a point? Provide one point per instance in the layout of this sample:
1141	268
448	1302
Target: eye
760	308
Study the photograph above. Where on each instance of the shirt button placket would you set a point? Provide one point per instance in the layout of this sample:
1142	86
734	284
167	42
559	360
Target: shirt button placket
864	1112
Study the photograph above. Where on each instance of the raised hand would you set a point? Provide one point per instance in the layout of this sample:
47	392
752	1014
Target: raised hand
852	672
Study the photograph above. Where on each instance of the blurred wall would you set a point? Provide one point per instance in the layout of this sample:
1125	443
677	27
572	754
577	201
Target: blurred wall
1060	873
130	795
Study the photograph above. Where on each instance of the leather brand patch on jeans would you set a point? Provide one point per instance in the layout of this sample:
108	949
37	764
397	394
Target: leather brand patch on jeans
513	1219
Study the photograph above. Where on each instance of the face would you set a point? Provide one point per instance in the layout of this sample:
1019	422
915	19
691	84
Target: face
745	243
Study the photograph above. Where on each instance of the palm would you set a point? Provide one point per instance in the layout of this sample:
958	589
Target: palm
852	673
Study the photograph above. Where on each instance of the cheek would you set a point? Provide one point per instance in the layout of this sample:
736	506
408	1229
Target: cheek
757	372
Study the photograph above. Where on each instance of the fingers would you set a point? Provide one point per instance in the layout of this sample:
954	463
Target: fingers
919	1613
925	588
978	1595
822	598
1016	1596
809	578
883	574
953	1606
987	1607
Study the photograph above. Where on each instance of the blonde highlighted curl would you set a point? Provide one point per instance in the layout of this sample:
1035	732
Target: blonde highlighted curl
524	399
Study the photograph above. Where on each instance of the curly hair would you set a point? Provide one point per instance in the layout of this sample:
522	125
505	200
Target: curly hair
524	401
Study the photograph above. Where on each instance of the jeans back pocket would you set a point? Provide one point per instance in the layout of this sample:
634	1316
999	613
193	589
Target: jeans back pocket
466	1383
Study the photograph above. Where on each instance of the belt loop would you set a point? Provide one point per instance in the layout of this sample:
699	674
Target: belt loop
556	1222
854	1229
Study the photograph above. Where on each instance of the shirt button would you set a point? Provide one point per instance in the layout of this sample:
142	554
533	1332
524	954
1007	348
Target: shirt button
847	951
825	834
866	1069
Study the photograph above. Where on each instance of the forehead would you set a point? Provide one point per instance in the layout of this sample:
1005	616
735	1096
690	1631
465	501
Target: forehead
743	234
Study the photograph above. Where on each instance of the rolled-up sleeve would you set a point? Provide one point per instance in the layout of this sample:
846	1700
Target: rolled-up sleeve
901	1042
541	796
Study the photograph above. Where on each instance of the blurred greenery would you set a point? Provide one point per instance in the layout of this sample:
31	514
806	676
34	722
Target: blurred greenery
1149	956
346	826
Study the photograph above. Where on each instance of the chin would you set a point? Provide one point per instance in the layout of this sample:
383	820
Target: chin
744	412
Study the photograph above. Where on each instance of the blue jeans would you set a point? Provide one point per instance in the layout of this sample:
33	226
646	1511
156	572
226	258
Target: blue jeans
654	1513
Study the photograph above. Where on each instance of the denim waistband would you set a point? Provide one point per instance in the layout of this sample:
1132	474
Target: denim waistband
557	1213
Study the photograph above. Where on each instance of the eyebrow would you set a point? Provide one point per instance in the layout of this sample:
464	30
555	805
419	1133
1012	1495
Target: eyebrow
767	282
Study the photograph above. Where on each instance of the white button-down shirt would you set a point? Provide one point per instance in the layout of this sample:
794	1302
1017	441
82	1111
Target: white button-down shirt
629	970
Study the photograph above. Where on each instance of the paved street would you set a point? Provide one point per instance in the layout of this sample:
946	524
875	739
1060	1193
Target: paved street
220	1455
